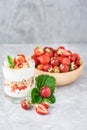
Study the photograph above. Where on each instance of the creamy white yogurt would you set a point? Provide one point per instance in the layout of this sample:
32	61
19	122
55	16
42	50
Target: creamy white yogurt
18	74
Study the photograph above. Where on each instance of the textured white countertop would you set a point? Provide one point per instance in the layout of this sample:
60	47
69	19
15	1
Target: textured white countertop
68	113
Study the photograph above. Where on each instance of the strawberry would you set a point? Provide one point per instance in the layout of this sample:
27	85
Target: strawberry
35	58
60	58
43	59
76	55
25	104
54	61
22	87
45	92
38	51
66	61
46	104
41	109
47	68
73	66
19	59
14	87
63	52
64	68
78	62
50	54
55	54
56	69
48	49
40	66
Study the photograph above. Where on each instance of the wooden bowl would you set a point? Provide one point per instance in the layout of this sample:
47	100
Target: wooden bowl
63	78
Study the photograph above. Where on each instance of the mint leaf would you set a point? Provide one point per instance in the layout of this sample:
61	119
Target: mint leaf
10	61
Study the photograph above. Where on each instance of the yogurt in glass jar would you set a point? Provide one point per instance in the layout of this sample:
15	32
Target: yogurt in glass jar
18	77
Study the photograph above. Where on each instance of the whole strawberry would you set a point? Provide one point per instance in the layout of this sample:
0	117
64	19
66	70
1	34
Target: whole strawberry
45	92
25	104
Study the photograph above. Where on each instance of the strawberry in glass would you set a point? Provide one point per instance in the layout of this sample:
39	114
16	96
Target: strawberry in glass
19	59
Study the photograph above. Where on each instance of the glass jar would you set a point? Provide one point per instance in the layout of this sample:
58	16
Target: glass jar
18	82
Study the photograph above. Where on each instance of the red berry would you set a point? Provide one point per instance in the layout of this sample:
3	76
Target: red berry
47	68
73	66
45	92
46	104
50	54
25	104
40	66
66	61
54	61
56	69
38	51
64	68
48	49
19	59
43	59
35	58
63	52
41	109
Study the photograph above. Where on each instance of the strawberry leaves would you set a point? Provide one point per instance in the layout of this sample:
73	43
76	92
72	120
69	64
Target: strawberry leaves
35	97
40	82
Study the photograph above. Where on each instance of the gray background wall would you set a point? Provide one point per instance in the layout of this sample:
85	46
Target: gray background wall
43	21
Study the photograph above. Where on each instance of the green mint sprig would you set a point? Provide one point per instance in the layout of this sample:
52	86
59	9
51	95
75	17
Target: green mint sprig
10	61
40	81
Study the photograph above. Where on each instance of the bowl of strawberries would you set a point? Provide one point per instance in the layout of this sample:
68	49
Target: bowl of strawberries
64	65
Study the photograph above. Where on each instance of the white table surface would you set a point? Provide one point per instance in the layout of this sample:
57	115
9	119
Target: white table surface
68	113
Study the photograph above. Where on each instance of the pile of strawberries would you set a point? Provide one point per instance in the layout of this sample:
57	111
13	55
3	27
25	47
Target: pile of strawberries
55	60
